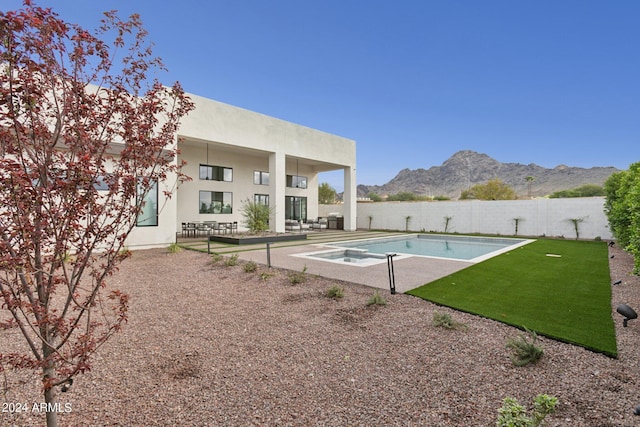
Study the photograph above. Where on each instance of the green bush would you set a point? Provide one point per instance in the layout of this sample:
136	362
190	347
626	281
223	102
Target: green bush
174	248
250	267
256	216
623	210
377	299
513	414
265	275
525	351
335	292
231	261
298	277
445	320
215	258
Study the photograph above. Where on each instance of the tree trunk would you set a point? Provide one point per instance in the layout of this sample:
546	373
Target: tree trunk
50	398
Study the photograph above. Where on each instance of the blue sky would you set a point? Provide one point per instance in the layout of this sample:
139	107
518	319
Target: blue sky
547	81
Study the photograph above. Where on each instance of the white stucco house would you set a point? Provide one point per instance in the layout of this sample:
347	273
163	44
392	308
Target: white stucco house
232	155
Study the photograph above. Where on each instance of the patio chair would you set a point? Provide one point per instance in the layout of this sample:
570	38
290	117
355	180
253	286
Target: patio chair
232	227
203	229
188	229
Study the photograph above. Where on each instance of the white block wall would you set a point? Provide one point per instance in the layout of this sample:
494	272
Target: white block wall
538	217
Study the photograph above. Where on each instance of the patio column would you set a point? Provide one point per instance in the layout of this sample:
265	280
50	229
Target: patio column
277	185
350	199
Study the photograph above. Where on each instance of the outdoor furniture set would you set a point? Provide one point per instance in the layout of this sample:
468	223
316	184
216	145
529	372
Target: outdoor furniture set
207	228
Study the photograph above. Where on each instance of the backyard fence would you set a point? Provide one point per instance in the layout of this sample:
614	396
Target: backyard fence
535	217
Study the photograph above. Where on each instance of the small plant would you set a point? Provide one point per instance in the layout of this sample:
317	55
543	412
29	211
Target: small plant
256	216
335	292
525	350
516	222
215	258
174	248
67	257
447	221
576	225
445	320
231	261
250	267
265	275
513	414
298	277
377	299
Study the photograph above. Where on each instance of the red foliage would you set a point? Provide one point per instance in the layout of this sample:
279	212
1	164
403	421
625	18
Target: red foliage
83	134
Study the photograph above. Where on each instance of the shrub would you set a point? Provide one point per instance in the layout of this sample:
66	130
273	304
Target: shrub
265	275
377	299
525	350
174	248
298	277
256	216
250	267
513	414
446	321
335	292
215	258
231	261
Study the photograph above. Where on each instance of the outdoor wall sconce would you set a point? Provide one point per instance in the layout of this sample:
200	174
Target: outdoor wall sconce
628	313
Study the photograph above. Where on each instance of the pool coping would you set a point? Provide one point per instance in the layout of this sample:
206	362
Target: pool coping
410	272
377	258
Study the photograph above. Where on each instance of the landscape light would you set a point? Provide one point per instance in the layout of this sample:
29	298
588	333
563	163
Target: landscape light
392	274
628	313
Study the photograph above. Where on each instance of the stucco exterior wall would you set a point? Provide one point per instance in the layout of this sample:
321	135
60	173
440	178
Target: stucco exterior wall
223	135
219	134
537	217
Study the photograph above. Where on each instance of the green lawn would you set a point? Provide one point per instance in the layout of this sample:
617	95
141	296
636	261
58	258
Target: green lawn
567	297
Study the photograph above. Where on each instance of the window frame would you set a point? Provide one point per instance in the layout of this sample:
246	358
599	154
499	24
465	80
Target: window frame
259	177
215	173
297	181
262	199
216	197
146	202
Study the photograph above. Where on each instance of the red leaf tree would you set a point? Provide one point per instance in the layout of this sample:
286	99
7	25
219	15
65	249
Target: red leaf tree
84	137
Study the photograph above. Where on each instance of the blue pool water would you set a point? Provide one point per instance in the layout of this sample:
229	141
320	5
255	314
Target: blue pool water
453	247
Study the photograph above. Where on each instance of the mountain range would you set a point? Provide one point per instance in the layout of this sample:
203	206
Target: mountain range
467	168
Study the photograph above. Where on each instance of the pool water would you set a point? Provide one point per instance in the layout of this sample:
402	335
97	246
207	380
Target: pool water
455	247
351	256
374	251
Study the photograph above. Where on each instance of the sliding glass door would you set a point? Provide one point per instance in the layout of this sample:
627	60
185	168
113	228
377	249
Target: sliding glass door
295	208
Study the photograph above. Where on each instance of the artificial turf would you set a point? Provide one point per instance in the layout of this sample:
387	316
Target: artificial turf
565	296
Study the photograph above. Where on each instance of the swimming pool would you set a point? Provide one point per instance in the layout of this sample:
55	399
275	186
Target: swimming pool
373	251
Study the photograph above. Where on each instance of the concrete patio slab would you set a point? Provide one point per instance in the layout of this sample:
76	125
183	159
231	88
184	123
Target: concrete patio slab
410	272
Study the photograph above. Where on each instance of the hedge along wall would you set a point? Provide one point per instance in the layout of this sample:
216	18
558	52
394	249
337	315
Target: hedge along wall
537	217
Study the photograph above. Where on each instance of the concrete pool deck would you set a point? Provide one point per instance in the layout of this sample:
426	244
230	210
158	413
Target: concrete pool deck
410	272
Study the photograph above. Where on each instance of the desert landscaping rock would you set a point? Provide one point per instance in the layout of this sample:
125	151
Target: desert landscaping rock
211	345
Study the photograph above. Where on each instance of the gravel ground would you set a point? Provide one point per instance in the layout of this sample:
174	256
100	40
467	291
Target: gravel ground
213	345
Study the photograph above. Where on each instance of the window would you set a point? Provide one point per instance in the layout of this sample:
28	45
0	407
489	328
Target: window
295	208
260	178
216	202
216	173
148	216
261	199
102	182
295	181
